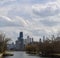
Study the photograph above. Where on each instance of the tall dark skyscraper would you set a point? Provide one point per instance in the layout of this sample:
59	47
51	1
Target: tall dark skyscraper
20	41
20	36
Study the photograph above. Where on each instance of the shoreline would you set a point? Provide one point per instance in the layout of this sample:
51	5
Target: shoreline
43	55
36	54
1	55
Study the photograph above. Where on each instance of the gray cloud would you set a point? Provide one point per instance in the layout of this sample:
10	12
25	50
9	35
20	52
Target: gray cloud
19	15
44	10
49	23
6	23
16	22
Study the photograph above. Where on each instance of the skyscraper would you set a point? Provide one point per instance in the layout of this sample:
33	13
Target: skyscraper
20	44
20	36
28	40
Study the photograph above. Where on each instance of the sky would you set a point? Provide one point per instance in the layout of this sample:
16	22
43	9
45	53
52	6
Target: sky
35	18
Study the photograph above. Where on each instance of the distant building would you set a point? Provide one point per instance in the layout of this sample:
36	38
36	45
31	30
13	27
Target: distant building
17	45
43	38
32	40
20	42
57	39
1	37
11	46
40	40
28	40
20	36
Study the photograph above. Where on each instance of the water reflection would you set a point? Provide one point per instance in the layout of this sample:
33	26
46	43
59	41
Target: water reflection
24	55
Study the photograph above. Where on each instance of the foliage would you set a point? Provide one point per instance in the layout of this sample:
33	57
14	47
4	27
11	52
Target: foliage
32	48
47	47
3	43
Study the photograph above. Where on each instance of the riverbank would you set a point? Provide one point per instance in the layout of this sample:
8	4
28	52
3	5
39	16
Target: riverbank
44	55
1	55
7	53
21	54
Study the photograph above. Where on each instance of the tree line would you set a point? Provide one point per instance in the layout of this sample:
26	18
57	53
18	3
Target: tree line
48	46
3	43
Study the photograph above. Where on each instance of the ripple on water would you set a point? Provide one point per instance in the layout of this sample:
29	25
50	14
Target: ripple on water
24	55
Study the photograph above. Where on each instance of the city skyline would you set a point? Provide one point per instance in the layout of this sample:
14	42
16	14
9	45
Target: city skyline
35	18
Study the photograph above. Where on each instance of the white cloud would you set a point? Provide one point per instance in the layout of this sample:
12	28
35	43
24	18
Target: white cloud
48	9
5	17
34	18
21	20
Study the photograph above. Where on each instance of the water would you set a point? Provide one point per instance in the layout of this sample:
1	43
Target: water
23	55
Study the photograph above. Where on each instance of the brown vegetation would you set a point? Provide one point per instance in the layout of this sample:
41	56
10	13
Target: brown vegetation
47	47
3	43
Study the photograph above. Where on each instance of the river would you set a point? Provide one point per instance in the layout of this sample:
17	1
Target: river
23	55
